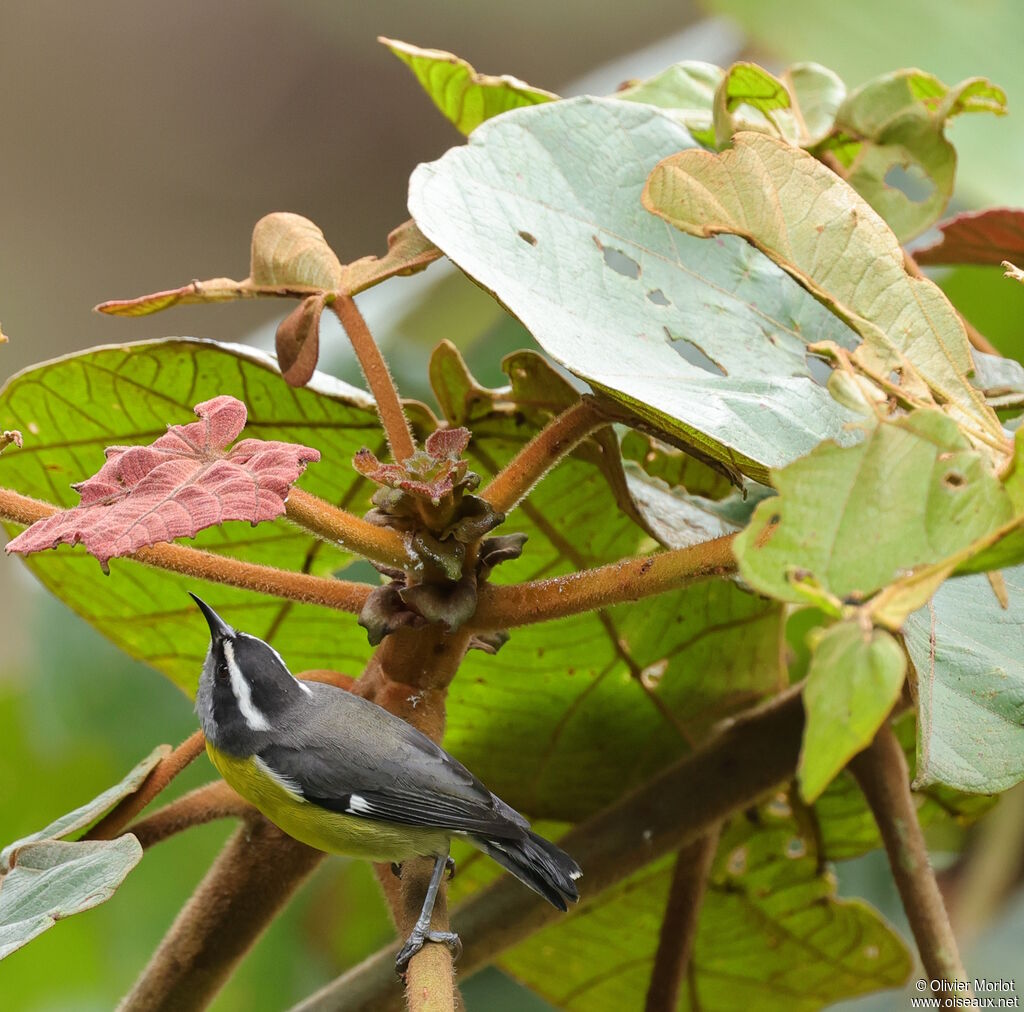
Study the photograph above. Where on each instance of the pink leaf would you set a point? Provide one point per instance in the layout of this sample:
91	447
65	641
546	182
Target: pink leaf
184	482
982	237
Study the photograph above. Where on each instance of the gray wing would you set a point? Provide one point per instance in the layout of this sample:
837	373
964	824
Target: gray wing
351	756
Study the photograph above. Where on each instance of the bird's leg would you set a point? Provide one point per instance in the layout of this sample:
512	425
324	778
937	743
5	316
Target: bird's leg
421	933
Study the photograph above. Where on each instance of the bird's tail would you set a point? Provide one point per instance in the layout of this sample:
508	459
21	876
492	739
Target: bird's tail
537	863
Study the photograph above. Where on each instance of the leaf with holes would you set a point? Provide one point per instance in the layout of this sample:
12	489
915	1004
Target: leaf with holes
892	130
965	647
773	935
977	237
182	483
705	342
43	879
466	97
821	232
849	520
854	680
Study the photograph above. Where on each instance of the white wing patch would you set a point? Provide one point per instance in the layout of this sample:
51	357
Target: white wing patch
251	713
286	783
358	806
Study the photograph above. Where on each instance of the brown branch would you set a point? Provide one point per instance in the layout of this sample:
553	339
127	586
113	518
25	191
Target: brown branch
684	803
252	878
340	594
505	606
330	522
114	822
204	804
378	378
881	771
679	925
977	339
546	449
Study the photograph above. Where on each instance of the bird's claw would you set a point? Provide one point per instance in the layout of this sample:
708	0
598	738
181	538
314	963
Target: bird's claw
418	939
449	863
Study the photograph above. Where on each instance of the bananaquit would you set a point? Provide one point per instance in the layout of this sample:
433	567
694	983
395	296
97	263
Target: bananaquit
345	776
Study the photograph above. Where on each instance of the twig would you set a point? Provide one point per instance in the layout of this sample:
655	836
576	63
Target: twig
330	522
114	822
679	925
204	804
977	339
881	771
505	606
341	594
378	378
252	878
682	804
539	455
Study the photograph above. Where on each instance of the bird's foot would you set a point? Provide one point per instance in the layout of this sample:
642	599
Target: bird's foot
449	863
418	939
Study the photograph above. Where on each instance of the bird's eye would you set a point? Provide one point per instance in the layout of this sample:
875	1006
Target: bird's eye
222	671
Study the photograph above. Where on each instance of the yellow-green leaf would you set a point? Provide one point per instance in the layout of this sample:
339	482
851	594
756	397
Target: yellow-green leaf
854	681
466	97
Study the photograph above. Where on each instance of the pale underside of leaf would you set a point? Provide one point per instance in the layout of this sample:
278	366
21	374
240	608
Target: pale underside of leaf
825	236
706	342
966	649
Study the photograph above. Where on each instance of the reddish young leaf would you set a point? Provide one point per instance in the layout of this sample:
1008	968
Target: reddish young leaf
978	237
184	482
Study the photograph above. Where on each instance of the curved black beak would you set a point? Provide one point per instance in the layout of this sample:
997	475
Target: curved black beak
219	629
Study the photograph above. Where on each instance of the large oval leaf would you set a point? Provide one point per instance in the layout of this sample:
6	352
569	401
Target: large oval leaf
705	341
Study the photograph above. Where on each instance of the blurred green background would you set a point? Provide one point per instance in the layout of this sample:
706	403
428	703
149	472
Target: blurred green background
140	144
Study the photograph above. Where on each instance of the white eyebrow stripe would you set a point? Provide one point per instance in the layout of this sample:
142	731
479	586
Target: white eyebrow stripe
287	783
251	713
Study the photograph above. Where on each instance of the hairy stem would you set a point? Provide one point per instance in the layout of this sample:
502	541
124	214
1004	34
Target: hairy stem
679	925
252	878
340	594
682	804
539	455
977	339
881	771
114	822
378	378
204	804
330	522
505	606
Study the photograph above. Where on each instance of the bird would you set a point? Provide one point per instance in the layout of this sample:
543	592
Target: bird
343	775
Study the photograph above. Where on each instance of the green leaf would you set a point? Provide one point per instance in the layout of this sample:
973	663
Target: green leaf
706	342
597	701
896	123
43	879
821	232
72	408
750	98
772	934
687	91
464	96
846	827
966	649
817	94
855	678
828	528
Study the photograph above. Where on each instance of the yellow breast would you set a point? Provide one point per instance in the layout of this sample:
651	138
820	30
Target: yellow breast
323	829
